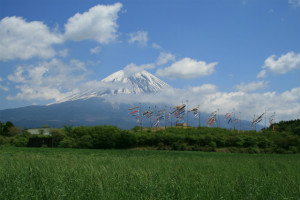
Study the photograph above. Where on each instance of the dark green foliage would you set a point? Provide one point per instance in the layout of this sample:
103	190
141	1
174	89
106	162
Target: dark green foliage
171	138
58	135
7	129
21	141
291	126
126	140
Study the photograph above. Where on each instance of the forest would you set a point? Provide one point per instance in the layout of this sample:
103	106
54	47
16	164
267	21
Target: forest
283	137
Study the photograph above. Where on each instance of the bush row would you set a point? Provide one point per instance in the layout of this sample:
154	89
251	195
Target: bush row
199	139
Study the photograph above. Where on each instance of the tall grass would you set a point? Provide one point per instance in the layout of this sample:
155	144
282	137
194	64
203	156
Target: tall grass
27	173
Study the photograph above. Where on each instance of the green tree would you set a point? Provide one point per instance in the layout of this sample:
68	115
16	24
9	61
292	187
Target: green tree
85	142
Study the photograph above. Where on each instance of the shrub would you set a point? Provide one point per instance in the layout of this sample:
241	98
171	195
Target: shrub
253	150
57	135
263	142
21	142
67	142
294	149
85	142
126	140
250	142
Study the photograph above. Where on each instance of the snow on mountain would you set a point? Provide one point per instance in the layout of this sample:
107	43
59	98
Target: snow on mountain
122	82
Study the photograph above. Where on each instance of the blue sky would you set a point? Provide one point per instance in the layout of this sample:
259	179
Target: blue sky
231	54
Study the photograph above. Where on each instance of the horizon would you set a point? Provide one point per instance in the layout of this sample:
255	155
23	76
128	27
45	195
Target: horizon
239	55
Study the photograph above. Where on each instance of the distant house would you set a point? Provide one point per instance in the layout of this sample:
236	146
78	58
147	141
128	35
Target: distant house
182	124
36	131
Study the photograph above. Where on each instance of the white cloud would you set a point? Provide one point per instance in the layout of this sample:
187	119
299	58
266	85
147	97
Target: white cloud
2	87
95	50
204	89
163	58
156	46
262	74
20	39
283	64
63	53
141	37
99	24
295	3
187	68
252	86
133	68
24	40
286	104
48	80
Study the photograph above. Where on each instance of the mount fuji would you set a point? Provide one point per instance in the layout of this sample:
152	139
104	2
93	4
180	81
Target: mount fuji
90	107
100	105
122	82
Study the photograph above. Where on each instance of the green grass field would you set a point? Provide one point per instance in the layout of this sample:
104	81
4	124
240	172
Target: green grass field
44	173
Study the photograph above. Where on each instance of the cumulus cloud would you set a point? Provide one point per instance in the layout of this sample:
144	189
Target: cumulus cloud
48	80
283	64
133	68
156	46
95	50
20	39
187	68
141	37
5	88
262	74
252	86
24	40
63	53
286	104
99	23
204	89
295	3
164	58
2	87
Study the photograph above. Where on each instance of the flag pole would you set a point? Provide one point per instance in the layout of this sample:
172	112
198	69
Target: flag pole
199	117
187	113
265	118
141	117
240	119
234	119
218	119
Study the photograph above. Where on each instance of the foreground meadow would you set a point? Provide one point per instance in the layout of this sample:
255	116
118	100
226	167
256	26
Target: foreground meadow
44	173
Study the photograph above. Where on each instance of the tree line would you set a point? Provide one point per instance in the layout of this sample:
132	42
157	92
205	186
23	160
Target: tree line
285	139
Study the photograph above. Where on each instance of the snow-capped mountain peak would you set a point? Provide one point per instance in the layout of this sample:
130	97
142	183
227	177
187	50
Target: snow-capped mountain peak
135	83
122	82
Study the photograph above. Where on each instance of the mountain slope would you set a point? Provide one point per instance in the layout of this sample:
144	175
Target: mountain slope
122	82
92	107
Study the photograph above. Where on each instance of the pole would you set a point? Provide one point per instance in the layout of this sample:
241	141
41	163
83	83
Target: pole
187	113
165	118
265	118
141	117
218	124
234	119
240	119
199	117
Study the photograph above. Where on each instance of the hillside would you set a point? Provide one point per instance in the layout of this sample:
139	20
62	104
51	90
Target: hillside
291	126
